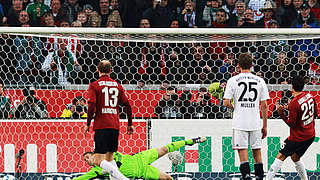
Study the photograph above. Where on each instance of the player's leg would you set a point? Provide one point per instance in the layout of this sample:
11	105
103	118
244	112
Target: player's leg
154	173
106	143
286	150
299	165
174	146
164	176
240	143
276	166
255	144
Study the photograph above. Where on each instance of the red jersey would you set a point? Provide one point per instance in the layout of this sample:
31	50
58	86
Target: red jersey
106	93
302	110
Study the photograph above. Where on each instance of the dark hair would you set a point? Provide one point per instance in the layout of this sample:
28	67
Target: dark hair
91	153
1	82
245	60
297	83
104	66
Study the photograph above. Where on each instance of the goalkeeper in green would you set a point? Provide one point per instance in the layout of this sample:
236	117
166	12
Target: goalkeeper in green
137	165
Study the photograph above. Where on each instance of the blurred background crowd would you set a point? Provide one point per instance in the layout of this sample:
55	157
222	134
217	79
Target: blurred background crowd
56	61
160	13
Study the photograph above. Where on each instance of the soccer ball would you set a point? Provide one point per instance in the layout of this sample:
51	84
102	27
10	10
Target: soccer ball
8	177
176	157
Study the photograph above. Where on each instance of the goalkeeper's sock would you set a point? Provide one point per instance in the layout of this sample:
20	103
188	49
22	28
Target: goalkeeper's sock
176	145
275	167
108	167
301	170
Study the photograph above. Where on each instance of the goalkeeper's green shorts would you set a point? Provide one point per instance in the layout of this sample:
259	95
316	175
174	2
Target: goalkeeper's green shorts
139	166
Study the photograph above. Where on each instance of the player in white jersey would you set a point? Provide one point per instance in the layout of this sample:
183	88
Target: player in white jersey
249	93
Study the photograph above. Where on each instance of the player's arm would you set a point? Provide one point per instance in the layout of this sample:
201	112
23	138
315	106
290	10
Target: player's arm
264	113
95	172
228	95
291	120
91	107
128	108
227	103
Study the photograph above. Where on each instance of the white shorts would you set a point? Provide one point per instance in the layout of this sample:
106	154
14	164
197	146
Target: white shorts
241	139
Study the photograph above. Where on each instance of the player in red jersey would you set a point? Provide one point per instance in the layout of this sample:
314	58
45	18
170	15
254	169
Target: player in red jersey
302	112
104	97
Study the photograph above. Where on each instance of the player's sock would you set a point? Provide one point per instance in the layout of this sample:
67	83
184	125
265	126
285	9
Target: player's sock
258	171
275	167
175	145
108	167
301	170
245	170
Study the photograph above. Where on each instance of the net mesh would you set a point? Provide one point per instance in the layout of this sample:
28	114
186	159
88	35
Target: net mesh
58	68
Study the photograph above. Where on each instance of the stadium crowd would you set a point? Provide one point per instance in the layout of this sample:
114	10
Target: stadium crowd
26	60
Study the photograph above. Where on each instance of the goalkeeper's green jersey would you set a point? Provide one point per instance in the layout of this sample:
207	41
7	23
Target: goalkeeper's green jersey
133	166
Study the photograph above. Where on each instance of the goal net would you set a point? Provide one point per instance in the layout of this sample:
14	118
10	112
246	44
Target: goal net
174	79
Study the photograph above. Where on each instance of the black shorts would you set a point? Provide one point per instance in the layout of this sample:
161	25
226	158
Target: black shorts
106	140
299	148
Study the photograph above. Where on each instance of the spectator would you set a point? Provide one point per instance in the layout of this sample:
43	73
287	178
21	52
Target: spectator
55	7
281	68
274	24
315	8
48	20
76	108
255	5
229	64
30	107
287	13
5	103
94	20
306	18
167	106
247	20
60	65
221	19
297	4
114	5
36	10
209	12
115	17
88	10
82	17
64	23
174	24
240	8
164	85
203	108
71	8
187	18
185	104
199	66
13	13
159	15
23	17
76	24
302	66
268	14
229	7
28	58
144	23
104	12
2	15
